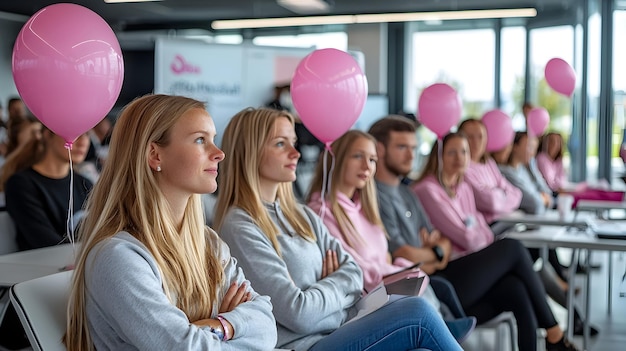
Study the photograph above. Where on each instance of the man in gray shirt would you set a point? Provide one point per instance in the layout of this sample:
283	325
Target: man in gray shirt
411	235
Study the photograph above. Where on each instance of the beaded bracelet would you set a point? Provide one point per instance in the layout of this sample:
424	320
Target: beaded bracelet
223	323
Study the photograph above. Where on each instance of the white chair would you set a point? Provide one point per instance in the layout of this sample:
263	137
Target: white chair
41	305
7	245
505	327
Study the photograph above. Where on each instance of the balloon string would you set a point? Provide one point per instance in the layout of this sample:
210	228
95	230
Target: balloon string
440	161
326	177
70	210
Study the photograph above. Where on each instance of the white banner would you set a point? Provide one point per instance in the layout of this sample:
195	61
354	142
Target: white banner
209	73
228	78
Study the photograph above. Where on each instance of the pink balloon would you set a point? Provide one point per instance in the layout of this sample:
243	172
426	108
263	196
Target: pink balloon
439	108
537	121
499	130
68	68
328	90
560	76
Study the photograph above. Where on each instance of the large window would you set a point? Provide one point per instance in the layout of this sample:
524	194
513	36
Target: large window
619	88
545	44
463	59
593	96
513	67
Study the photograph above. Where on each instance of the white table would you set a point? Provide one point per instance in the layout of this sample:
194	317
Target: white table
45	256
550	217
21	266
599	206
25	265
559	236
592	205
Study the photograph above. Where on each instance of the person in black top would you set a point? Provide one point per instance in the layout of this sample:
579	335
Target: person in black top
36	180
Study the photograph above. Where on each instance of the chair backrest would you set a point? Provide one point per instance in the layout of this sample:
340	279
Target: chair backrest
7	234
41	305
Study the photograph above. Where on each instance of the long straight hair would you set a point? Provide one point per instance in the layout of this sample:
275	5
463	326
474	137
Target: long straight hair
244	141
127	198
485	156
543	145
367	195
433	166
516	140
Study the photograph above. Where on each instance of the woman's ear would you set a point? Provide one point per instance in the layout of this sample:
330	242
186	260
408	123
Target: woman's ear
154	157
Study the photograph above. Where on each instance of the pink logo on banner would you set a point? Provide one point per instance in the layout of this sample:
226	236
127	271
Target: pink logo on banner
180	66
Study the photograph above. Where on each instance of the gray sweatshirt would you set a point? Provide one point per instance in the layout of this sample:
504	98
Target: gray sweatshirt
306	307
402	215
532	201
127	308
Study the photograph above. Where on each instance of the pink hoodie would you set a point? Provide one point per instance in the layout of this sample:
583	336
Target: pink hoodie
371	253
494	195
456	217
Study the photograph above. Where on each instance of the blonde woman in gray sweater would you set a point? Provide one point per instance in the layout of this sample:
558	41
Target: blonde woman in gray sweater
150	275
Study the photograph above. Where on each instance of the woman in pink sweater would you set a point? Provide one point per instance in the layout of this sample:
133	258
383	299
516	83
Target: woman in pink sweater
550	161
512	284
550	164
494	195
350	209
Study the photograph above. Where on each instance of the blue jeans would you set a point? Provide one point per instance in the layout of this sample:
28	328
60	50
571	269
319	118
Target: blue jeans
404	323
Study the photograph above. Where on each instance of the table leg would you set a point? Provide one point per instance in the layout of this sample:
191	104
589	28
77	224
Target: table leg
610	275
587	284
570	294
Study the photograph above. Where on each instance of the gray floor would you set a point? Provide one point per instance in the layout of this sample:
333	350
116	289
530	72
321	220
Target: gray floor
612	324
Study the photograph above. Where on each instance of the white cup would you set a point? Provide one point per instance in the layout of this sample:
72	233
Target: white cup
564	204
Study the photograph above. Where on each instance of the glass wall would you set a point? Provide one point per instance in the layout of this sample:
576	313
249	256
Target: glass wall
512	75
463	54
463	59
593	94
619	88
545	44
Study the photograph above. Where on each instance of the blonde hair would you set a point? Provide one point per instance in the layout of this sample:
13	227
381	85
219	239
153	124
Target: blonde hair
367	195
244	141
127	198
432	166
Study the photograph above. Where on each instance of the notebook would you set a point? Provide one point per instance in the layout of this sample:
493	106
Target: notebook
610	230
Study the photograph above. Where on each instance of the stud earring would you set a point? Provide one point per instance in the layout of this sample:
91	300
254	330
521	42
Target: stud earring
158	169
